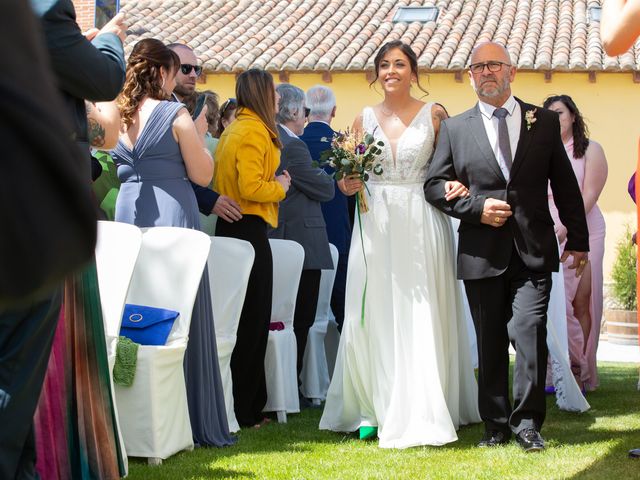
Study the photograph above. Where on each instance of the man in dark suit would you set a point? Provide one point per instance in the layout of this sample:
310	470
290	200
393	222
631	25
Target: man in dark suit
299	215
507	246
208	201
318	134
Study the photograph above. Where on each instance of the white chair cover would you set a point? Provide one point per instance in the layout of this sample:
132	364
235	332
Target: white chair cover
229	264
117	250
315	372
281	356
153	412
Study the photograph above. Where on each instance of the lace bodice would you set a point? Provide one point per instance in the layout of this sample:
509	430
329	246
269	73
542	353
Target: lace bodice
414	148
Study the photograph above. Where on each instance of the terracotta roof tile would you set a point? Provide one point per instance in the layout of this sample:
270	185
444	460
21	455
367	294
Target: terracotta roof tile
344	35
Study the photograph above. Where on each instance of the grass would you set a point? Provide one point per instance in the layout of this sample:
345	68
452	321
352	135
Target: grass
592	445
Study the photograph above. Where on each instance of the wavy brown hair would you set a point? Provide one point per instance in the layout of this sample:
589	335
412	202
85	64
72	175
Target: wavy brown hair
255	91
580	131
143	78
407	51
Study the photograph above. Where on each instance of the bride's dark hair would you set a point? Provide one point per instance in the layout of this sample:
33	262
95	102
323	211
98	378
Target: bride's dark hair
407	51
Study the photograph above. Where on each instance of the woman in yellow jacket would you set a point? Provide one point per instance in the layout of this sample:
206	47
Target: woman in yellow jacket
247	157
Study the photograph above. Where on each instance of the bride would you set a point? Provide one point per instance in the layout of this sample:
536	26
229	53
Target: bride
404	368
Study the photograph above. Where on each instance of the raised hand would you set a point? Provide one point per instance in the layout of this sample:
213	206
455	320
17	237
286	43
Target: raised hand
495	212
116	25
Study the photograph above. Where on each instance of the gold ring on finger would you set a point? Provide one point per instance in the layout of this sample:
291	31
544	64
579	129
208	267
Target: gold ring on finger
497	220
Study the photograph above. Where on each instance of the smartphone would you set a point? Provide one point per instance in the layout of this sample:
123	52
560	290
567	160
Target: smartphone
105	11
197	110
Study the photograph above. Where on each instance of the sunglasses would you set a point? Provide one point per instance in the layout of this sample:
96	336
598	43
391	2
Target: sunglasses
186	68
231	102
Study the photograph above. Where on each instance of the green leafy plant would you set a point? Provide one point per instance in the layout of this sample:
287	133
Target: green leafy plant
623	273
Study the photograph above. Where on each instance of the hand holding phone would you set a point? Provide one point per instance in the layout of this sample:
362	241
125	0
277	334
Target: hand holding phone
201	122
200	101
116	25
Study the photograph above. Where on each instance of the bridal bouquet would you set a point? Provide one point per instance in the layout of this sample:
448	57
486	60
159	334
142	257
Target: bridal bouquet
353	153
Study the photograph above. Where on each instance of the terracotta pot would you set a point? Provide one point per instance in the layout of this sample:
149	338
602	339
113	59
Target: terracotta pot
622	326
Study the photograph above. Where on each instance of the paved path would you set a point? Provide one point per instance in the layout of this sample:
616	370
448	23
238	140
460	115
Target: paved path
610	352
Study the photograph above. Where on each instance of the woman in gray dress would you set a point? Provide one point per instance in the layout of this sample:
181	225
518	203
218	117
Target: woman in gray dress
159	151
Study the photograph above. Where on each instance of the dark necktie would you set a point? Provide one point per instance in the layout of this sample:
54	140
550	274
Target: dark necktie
504	144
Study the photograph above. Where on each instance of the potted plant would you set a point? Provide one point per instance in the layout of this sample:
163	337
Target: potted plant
622	323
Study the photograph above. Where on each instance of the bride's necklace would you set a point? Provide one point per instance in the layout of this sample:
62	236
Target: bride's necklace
389	113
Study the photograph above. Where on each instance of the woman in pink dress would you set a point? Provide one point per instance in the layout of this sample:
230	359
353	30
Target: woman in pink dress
583	294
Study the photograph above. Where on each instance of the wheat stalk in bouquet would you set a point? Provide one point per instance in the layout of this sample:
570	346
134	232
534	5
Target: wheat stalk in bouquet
353	154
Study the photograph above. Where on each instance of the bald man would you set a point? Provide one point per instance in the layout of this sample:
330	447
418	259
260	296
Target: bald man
506	152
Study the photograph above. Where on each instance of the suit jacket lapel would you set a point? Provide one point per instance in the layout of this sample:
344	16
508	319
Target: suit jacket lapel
525	138
476	126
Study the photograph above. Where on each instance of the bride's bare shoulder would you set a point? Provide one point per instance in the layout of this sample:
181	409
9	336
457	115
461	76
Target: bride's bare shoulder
358	123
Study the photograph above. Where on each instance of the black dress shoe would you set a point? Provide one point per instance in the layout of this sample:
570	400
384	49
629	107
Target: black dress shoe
635	453
530	440
493	438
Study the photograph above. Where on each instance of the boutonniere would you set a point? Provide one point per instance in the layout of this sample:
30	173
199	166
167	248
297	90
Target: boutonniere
325	140
530	117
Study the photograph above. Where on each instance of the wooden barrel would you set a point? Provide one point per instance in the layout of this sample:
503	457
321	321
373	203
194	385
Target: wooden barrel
622	327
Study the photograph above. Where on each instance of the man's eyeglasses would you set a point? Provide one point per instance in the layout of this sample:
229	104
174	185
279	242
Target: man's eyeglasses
491	66
186	68
307	111
231	102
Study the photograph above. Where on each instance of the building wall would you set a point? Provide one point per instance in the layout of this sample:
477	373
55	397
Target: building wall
85	13
610	106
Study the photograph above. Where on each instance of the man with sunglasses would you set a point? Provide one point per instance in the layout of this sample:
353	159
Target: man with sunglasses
506	152
208	201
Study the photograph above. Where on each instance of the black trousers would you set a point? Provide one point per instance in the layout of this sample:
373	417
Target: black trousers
305	314
247	359
339	288
26	335
511	307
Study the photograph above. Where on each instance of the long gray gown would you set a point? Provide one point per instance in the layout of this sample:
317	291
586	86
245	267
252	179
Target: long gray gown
155	191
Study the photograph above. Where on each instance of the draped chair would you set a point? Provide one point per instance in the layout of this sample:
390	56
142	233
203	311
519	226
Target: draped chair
229	264
117	249
281	356
153	412
315	371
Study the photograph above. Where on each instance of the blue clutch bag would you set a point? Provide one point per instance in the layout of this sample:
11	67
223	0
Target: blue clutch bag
147	325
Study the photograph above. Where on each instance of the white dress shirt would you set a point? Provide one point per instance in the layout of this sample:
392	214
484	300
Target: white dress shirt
514	120
290	133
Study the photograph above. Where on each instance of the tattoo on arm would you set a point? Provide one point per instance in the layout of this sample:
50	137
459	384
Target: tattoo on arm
440	114
88	106
96	133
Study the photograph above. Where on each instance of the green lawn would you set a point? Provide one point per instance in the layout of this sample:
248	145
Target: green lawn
589	445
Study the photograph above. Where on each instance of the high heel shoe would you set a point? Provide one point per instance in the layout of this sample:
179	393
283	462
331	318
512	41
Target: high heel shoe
368	432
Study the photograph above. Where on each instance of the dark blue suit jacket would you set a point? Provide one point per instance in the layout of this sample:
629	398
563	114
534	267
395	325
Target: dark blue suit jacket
205	197
317	136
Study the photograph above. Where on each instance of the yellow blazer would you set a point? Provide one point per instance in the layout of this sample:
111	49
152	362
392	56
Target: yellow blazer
246	163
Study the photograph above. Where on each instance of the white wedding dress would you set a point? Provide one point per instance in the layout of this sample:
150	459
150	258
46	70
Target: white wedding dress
406	366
